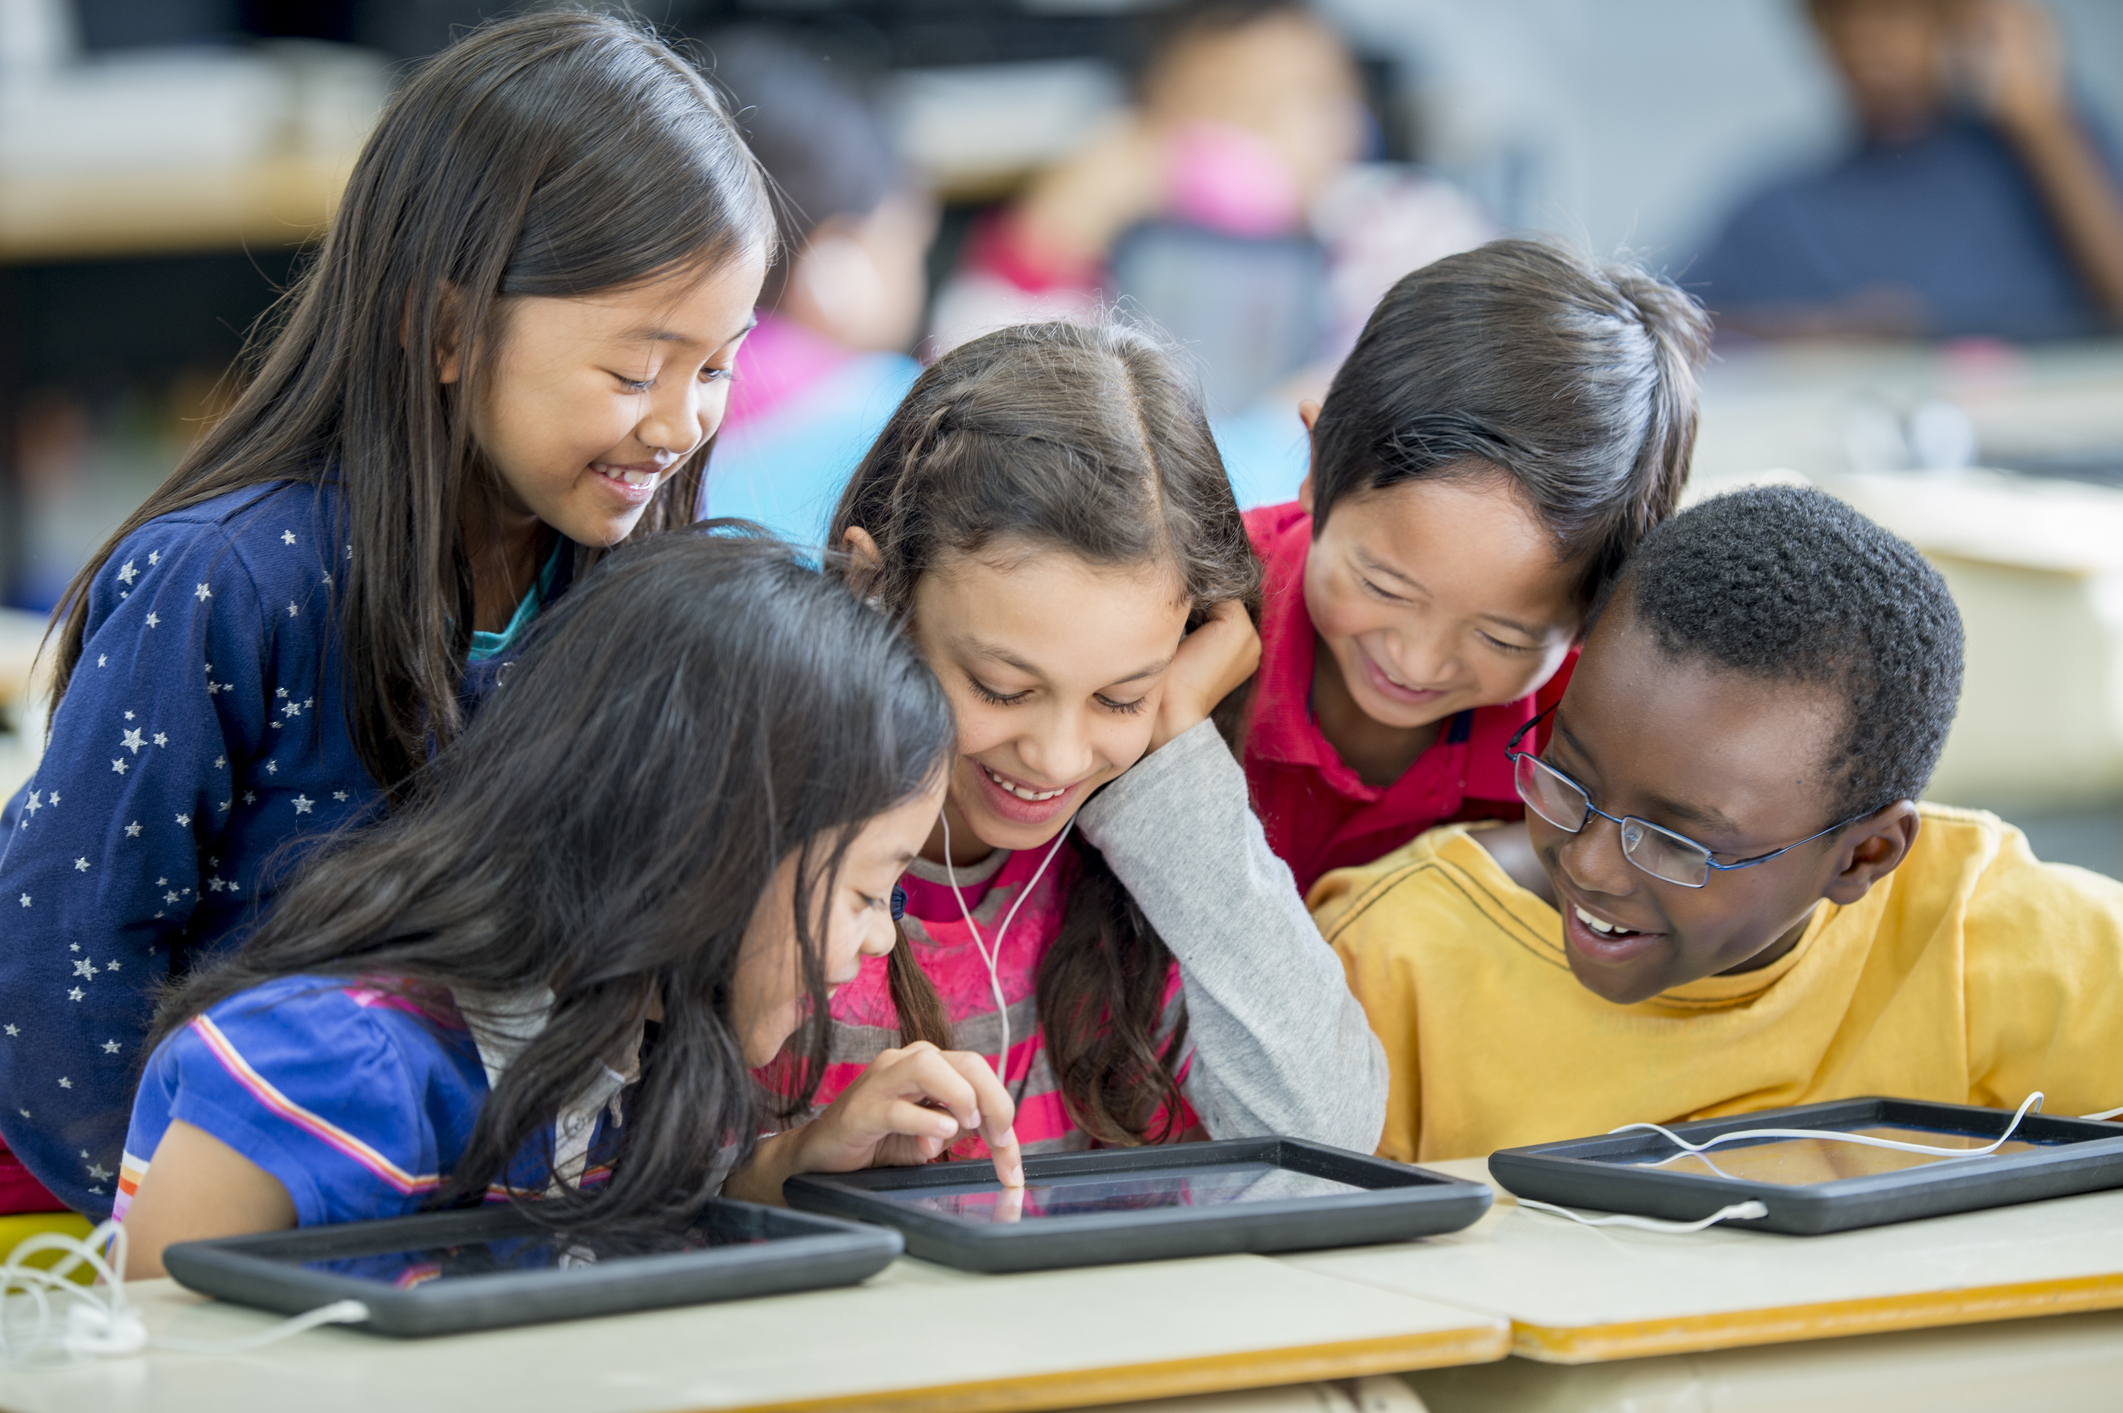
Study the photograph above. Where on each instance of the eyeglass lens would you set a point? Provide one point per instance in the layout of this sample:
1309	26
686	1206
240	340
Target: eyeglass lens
1557	799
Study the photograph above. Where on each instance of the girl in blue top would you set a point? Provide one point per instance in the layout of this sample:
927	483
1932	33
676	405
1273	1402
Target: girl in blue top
510	353
646	865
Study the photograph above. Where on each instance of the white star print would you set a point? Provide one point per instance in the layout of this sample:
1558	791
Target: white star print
132	742
287	537
102	658
292	709
162	738
128	716
280	691
65	1083
162	883
221	762
52	799
292	611
14	1030
25	900
119	765
153	621
224	805
85	967
328	581
202	593
98	1173
249	798
81	865
303	803
215	884
170	897
184	820
32	804
112	966
339	795
73	946
111	1047
154	557
272	767
132	831
127	573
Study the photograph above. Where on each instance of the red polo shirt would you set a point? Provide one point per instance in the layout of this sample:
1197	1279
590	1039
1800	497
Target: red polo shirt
1318	814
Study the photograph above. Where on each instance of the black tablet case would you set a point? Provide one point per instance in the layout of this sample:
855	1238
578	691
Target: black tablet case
2083	1156
780	1251
1403	1203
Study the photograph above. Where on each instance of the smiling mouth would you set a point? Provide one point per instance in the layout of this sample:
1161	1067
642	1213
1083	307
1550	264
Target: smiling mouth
1022	792
1605	929
633	477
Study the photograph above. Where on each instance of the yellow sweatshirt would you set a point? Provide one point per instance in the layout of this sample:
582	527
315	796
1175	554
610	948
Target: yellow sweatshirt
1971	974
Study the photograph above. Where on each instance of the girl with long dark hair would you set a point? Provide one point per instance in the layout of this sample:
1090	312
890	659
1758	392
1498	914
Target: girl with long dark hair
510	353
1097	909
636	875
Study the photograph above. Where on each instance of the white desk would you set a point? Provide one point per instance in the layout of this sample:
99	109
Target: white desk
915	1337
1578	1294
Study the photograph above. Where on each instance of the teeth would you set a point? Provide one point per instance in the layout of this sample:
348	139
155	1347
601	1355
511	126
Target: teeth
1035	796
1603	928
630	477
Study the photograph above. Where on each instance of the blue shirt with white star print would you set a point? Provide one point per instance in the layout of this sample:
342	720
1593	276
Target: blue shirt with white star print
202	749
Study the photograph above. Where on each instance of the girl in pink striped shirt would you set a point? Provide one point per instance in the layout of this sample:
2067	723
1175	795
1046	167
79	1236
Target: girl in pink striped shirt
1097	910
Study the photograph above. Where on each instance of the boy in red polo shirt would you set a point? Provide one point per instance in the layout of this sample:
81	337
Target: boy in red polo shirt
1512	421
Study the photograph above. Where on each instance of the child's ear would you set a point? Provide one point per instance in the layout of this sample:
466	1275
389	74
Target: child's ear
867	561
449	336
1881	843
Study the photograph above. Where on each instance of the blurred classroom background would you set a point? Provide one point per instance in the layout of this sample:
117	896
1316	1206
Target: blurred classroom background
1905	214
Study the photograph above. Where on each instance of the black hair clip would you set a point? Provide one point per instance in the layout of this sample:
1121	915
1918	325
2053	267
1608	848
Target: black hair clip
899	904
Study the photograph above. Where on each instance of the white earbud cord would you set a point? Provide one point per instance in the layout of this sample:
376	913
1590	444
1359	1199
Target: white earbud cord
99	1320
994	956
2031	1103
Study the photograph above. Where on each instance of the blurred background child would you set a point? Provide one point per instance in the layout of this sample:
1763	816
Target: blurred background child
819	377
1980	196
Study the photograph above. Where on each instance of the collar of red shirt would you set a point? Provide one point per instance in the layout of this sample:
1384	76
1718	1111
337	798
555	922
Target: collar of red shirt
1283	729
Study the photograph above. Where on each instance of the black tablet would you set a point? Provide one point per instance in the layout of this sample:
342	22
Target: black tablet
1147	1204
1814	1185
446	1272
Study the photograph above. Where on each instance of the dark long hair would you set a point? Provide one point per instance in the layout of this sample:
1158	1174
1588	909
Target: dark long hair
699	709
1091	441
556	155
1575	378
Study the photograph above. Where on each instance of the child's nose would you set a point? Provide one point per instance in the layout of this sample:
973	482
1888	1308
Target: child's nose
683	416
1061	753
1593	859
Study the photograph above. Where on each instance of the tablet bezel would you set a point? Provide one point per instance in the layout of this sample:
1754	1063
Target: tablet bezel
1402	1203
1581	1173
800	1252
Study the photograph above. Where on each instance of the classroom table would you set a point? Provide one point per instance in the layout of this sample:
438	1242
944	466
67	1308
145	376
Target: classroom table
1577	1294
915	1337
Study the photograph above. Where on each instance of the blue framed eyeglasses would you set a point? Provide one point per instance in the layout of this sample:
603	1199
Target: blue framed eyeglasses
1665	855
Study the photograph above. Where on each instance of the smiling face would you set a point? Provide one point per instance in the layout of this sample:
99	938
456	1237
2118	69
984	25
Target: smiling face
1727	760
1054	667
852	922
592	402
1437	595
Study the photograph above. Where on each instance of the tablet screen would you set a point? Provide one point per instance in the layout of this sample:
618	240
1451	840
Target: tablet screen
1795	1162
1091	1193
531	1252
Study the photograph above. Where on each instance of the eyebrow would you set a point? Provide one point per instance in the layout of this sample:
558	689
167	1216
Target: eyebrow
648	334
1669	808
1379	566
1009	659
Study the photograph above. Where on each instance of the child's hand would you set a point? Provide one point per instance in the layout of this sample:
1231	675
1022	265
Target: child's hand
909	1106
1211	663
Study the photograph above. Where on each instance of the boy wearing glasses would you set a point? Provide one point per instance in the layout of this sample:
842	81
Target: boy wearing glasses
1723	897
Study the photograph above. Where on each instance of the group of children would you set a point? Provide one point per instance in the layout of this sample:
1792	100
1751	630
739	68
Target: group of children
449	822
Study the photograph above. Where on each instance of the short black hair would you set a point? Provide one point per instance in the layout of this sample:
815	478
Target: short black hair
1573	377
1789	584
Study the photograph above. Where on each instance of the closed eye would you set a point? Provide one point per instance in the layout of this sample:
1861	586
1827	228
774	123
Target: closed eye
995	698
1501	646
1381	593
634	385
1123	708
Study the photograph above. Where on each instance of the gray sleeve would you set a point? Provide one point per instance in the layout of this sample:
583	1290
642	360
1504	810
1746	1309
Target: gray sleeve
1280	1045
